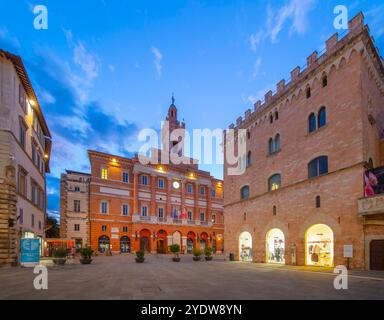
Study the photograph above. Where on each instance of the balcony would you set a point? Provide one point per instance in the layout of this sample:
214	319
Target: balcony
371	205
169	221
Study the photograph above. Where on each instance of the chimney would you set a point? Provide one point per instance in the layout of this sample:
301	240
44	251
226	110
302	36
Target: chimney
280	86
357	22
268	96
238	121
312	59
231	126
295	74
247	113
331	42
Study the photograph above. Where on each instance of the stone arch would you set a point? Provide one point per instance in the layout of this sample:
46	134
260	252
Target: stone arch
342	62
352	54
332	69
320	218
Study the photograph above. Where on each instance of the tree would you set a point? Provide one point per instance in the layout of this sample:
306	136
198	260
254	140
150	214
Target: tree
52	229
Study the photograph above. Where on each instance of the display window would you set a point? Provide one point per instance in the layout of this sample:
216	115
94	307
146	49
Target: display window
275	246
319	246
245	247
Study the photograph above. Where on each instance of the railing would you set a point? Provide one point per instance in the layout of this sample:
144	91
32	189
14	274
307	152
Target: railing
371	205
171	221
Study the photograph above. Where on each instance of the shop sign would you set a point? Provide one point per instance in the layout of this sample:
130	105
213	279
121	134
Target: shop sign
348	251
115	236
115	230
30	251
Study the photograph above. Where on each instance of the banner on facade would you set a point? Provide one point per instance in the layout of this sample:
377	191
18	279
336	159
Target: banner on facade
30	251
374	182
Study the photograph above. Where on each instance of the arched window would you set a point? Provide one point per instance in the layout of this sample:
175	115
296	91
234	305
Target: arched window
318	167
249	159
276	115
244	192
271	146
271	118
325	81
277	143
322	118
311	122
308	92
274	182
248	134
318	202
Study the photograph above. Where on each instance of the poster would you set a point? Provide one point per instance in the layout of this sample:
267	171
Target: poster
30	251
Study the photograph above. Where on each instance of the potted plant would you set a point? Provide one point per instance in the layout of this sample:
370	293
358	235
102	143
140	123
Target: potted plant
86	255
208	254
175	249
60	256
197	254
139	256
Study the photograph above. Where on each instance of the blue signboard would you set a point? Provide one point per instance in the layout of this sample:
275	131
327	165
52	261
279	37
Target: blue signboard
30	251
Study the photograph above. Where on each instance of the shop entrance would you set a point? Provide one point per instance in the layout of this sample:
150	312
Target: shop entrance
161	246
125	245
245	247
275	246
376	255
144	244
319	246
189	245
104	244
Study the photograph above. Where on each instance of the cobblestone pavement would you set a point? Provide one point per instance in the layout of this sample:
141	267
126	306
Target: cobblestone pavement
120	277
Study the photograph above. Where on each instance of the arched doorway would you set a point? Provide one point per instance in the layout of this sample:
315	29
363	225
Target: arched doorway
245	247
176	238
190	241
145	244
203	240
161	243
319	246
275	246
125	245
104	244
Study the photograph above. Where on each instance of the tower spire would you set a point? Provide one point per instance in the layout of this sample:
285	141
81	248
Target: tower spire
173	99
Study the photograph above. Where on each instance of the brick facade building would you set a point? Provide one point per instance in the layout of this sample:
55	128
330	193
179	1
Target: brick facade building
301	198
135	206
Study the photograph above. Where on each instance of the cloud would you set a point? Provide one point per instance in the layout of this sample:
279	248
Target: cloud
9	41
158	57
255	39
376	23
256	67
111	67
294	10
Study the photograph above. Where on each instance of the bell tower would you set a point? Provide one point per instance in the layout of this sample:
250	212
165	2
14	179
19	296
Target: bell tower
171	124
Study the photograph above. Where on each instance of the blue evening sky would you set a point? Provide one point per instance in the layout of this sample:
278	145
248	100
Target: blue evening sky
104	70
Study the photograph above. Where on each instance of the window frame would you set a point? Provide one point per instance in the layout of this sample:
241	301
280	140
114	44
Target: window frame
242	195
271	182
102	202
316	161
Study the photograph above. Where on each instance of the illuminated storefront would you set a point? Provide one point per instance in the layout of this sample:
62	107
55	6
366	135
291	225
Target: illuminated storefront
319	246
275	246
245	247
